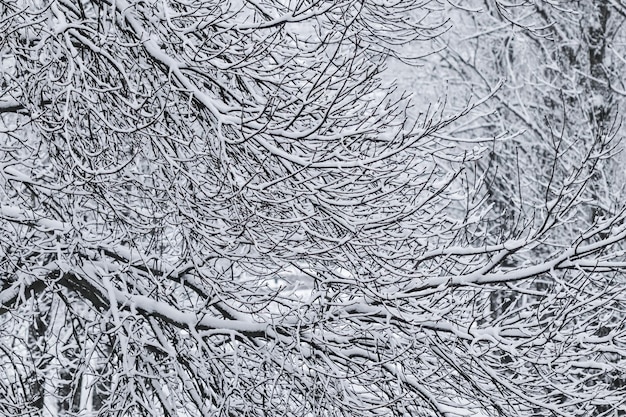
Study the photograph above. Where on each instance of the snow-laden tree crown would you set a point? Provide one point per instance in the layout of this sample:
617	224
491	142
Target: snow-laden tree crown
214	208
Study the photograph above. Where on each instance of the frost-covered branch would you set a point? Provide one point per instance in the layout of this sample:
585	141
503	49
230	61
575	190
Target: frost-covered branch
220	208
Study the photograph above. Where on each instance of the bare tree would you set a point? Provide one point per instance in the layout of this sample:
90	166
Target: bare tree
560	64
217	208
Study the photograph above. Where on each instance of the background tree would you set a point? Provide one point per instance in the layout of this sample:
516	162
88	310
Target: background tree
217	208
561	64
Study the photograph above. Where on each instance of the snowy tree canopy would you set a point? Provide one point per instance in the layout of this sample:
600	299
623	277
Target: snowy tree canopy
215	208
